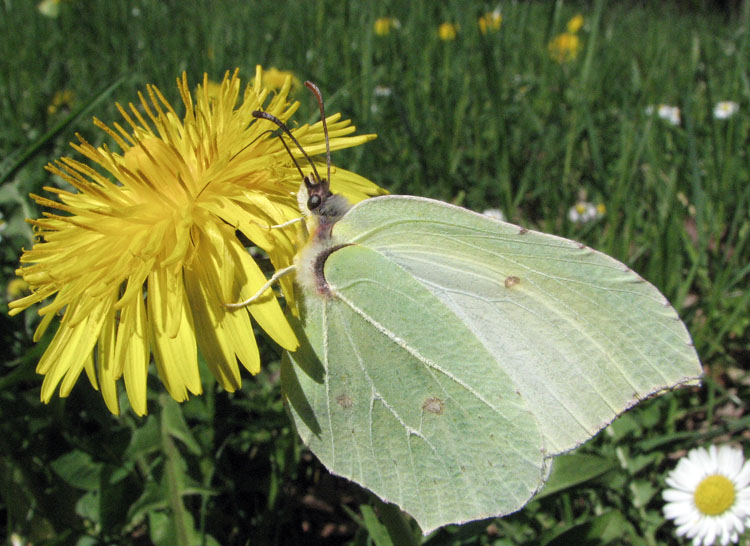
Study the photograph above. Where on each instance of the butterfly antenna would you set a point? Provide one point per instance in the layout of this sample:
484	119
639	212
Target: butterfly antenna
277	121
315	91
294	160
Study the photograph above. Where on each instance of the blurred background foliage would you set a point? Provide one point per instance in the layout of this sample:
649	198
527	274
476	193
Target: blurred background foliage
493	116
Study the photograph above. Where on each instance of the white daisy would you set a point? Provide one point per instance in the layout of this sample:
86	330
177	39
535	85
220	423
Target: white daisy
709	499
583	212
725	109
382	91
667	112
670	113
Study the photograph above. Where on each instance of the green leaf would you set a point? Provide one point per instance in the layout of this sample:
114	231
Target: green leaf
144	440
152	498
173	421
78	469
643	492
609	528
574	469
377	531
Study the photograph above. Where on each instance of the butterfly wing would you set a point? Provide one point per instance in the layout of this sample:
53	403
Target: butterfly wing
456	353
581	335
392	391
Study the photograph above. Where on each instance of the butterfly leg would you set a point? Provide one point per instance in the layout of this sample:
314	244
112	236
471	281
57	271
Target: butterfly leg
285	224
276	276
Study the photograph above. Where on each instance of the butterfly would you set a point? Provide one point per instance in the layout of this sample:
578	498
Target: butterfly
446	357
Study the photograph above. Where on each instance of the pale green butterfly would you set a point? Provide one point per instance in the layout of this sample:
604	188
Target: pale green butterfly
446	356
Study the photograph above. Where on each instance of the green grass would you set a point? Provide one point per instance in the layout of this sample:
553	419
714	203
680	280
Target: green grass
483	121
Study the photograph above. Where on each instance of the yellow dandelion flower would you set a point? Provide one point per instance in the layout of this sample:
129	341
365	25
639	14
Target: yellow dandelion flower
16	288
61	99
211	88
273	78
490	21
141	259
565	47
575	24
447	32
384	25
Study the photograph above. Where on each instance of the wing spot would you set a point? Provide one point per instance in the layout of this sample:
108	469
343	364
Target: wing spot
434	405
345	401
511	281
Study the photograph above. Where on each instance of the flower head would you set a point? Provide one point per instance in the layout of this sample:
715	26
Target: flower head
49	8
583	212
725	109
709	495
275	79
447	32
565	47
16	288
497	214
384	25
61	100
575	24
140	259
490	21
666	112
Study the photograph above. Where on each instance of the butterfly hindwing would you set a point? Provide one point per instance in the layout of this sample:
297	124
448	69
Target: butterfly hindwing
409	404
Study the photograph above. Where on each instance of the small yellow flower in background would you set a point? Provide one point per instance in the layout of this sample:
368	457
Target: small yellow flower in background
709	495
490	21
384	25
16	288
142	257
49	8
575	24
447	32
61	100
565	47
725	109
212	89
275	79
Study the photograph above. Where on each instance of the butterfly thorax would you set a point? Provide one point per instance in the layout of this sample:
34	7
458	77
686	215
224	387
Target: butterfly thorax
322	209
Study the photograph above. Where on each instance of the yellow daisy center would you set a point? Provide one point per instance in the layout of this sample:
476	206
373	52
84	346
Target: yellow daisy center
714	495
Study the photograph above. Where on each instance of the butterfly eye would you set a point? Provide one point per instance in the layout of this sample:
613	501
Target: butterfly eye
314	202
